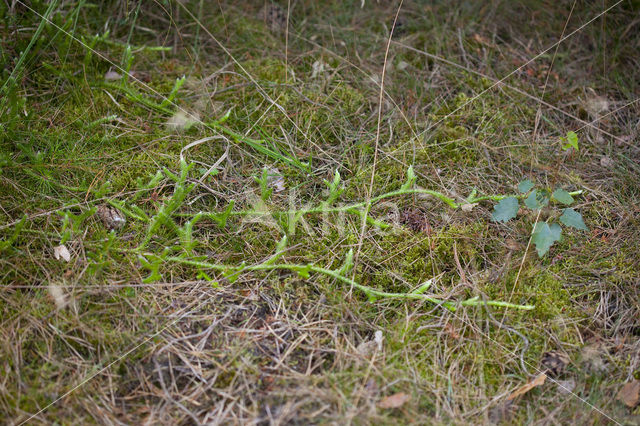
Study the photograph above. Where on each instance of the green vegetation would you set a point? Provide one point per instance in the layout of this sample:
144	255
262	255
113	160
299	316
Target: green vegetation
226	213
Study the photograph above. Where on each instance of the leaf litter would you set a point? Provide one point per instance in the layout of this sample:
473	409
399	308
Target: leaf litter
61	252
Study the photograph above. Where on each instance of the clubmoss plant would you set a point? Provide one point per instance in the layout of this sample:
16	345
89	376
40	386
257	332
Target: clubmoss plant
167	213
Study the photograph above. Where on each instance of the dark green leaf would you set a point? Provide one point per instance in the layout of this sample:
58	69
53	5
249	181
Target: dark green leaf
572	218
531	201
537	199
562	196
505	210
544	236
525	186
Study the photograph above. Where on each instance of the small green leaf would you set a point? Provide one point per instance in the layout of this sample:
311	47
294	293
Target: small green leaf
347	265
4	244
204	276
102	190
334	189
282	244
303	271
472	195
423	287
572	218
571	141
544	236
231	274
280	248
336	179
505	210
411	179
537	199
128	292
562	196
525	186
531	202
153	266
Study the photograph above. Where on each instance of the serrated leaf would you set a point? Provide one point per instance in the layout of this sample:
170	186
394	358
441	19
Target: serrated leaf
571	141
525	186
531	202
572	218
544	236
537	199
505	210
562	196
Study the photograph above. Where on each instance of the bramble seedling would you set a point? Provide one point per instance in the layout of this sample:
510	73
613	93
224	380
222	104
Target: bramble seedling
545	234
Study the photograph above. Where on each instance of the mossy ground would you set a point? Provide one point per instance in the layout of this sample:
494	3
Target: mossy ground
103	344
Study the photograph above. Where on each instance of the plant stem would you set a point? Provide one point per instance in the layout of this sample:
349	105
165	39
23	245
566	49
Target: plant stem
371	292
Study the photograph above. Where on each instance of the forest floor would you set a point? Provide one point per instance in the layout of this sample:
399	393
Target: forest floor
252	213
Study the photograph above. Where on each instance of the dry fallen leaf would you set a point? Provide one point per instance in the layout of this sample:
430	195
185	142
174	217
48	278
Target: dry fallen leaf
58	296
377	337
61	252
566	386
319	69
630	394
501	413
480	39
111	217
538	381
112	76
394	401
467	207
368	347
275	180
606	162
593	357
554	363
595	104
451	331
182	120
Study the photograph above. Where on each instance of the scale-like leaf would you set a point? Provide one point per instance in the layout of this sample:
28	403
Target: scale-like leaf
544	236
572	218
562	196
525	186
505	210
